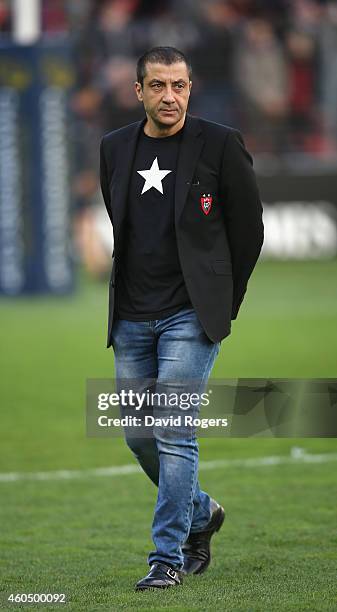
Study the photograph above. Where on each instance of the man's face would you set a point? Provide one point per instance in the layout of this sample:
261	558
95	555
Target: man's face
165	93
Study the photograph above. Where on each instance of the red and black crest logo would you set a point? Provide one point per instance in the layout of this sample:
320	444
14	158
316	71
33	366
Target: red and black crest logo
206	203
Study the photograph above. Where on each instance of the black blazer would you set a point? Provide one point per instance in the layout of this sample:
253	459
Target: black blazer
218	250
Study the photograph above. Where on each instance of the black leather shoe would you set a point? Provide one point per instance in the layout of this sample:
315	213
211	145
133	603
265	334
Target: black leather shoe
196	550
160	576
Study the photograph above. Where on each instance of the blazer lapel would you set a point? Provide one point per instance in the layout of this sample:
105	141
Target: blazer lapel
120	185
191	146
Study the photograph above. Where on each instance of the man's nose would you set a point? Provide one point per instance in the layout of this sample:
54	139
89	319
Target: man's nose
168	96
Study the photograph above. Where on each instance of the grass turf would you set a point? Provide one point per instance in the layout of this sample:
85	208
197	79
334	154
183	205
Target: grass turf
89	540
277	550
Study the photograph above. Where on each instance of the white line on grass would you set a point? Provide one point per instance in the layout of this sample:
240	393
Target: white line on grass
297	455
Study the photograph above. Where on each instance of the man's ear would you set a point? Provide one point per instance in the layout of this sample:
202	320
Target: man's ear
139	91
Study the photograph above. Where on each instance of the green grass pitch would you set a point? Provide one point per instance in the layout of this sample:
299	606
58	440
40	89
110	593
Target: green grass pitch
89	537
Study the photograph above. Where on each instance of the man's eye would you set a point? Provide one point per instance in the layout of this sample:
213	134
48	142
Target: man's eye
156	85
179	86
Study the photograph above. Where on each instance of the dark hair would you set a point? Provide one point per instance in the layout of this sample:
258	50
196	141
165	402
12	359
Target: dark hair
161	55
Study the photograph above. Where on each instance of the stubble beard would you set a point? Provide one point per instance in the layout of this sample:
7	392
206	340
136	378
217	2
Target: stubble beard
161	125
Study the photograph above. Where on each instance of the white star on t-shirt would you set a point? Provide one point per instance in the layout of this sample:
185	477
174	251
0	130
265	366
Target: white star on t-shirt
153	177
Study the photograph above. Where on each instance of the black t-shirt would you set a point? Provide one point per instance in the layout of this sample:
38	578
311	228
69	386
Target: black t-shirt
149	283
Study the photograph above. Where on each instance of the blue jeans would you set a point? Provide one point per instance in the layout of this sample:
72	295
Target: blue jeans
171	351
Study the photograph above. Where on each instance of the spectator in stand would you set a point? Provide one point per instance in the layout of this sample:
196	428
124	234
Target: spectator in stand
5	16
302	116
174	28
306	15
275	12
54	16
244	8
103	102
214	95
261	71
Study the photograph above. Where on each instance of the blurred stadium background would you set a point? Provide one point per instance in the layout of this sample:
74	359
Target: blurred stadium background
66	74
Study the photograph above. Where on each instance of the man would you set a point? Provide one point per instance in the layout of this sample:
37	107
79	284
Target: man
187	220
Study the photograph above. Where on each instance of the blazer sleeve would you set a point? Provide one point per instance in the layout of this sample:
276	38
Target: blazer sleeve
242	212
104	180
